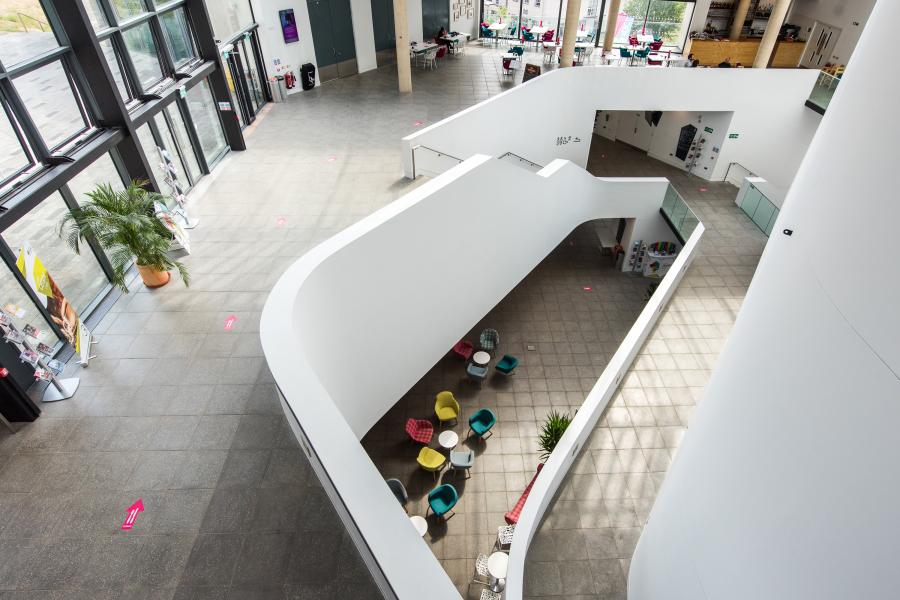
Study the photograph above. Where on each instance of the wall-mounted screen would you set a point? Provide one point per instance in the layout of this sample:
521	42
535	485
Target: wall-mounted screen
289	26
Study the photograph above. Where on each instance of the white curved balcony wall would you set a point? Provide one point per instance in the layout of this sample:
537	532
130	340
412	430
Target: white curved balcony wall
354	323
786	485
774	126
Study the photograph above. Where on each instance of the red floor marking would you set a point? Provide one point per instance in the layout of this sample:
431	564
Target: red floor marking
419	123
132	513
332	158
229	322
702	189
587	288
280	221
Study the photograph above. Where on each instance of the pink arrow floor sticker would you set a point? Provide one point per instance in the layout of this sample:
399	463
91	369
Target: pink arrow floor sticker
132	513
229	322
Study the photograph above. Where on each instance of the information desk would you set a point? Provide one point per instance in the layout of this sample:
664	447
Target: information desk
712	52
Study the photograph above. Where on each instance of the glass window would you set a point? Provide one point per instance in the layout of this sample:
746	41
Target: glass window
178	37
142	49
205	115
50	98
184	141
112	59
174	156
12	156
24	31
505	12
78	276
101	171
229	16
148	143
128	8
96	14
13	296
666	19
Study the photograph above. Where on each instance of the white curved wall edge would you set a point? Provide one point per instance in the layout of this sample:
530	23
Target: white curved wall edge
357	321
773	124
573	440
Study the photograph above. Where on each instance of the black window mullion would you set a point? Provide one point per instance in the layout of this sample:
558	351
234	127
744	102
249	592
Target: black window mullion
192	134
71	202
29	129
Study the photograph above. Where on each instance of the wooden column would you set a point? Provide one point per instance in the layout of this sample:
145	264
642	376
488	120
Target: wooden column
740	15
770	37
401	34
611	25
567	52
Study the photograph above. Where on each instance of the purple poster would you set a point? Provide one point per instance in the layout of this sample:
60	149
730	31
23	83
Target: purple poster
289	26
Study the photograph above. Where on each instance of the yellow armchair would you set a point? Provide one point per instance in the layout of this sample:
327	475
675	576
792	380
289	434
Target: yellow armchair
446	407
431	460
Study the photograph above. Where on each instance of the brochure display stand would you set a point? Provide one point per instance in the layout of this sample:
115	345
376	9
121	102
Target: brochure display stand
175	190
45	368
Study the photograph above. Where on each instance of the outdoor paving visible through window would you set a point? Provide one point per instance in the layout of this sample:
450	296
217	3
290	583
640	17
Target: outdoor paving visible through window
563	336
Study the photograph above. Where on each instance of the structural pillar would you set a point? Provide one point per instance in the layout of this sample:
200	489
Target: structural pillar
567	52
770	37
740	15
401	35
611	21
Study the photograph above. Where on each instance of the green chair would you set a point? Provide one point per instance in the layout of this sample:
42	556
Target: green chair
442	499
507	364
625	53
481	422
446	407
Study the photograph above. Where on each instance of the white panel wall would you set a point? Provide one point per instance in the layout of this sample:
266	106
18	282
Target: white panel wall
786	484
837	13
272	41
773	124
363	34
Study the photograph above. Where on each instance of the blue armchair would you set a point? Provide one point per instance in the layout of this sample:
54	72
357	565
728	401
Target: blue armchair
476	373
481	422
507	364
442	499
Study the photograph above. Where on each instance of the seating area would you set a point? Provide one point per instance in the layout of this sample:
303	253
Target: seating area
541	348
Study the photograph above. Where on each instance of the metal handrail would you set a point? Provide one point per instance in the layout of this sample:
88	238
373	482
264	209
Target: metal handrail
523	159
438	152
40	23
728	170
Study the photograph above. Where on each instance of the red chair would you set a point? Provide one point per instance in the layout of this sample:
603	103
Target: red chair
442	51
655	46
548	36
464	349
633	41
512	517
419	430
652	63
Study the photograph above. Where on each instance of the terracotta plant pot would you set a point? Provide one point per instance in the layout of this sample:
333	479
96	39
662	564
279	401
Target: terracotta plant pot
153	278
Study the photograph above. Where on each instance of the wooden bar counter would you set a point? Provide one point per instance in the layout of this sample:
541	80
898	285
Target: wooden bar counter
711	52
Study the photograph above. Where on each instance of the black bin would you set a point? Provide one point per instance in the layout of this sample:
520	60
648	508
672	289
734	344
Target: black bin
308	76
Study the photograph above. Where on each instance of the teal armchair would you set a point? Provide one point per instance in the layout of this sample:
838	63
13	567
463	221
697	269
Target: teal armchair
507	364
481	422
442	499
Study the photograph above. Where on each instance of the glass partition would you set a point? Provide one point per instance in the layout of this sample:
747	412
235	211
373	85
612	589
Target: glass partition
823	91
680	215
759	208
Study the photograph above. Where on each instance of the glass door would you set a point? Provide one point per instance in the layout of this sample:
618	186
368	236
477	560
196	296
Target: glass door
243	77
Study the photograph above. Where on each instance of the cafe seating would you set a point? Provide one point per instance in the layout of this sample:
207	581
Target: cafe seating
442	499
446	407
481	422
548	35
399	490
431	460
489	340
507	365
419	430
464	349
624	53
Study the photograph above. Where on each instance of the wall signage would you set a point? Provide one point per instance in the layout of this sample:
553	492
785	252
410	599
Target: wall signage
708	129
732	136
288	26
531	71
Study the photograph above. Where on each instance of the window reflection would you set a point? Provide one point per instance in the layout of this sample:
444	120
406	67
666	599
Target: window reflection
142	49
51	102
127	8
178	37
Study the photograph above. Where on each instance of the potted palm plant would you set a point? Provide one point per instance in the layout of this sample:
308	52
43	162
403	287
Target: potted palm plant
125	225
552	430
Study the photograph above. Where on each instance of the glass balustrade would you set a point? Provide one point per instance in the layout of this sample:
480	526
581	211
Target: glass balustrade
680	215
822	92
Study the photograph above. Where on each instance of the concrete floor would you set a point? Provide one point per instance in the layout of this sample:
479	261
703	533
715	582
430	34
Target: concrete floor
563	336
584	546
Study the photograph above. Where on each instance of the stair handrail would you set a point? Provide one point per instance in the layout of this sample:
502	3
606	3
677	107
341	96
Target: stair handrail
522	158
438	152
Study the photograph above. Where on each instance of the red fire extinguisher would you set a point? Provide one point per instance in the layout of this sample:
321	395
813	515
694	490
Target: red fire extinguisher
289	79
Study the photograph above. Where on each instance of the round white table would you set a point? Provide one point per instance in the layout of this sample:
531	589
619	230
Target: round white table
497	565
481	358
448	439
420	524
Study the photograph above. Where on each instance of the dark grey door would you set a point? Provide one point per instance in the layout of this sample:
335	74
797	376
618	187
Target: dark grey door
332	26
435	14
383	28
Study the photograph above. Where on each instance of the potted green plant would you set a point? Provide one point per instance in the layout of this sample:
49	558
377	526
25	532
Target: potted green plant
552	430
125	225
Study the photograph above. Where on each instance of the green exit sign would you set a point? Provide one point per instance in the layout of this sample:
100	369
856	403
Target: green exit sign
708	129
732	136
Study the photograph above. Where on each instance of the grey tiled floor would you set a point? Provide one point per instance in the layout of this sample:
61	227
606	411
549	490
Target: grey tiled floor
584	546
181	413
572	334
